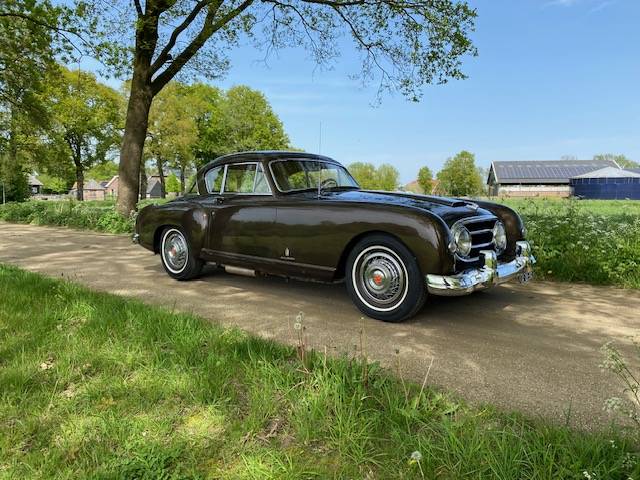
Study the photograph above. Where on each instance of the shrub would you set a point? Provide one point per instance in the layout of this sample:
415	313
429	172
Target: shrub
99	216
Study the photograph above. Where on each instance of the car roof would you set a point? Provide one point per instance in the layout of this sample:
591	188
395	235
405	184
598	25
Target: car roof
259	155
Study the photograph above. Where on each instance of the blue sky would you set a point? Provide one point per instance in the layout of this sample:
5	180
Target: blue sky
553	78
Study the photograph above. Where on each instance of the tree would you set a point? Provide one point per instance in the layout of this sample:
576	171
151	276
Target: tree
385	177
239	119
425	179
173	129
404	45
621	160
365	175
85	121
53	184
459	177
25	55
13	183
173	185
103	171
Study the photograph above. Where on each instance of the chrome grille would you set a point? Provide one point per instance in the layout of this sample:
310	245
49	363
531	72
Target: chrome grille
481	229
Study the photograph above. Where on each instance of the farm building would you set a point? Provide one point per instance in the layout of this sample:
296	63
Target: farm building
35	185
91	190
539	178
154	187
607	183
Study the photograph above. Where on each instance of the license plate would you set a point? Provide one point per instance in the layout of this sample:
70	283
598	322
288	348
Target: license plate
525	277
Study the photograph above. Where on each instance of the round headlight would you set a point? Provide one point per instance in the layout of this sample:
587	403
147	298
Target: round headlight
462	239
499	236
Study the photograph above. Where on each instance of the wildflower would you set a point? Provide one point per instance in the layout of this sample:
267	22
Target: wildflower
588	475
299	319
415	457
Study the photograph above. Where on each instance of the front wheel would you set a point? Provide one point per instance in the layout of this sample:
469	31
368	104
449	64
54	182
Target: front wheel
384	279
178	258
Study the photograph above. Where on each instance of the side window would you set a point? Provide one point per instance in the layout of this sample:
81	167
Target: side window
240	178
262	185
213	179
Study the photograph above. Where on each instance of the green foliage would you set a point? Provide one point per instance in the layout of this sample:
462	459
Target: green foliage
459	177
172	184
621	160
14	182
103	171
385	177
85	120
98	386
239	119
53	184
594	241
425	179
26	52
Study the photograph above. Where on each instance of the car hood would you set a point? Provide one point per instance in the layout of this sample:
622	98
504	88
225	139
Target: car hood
449	209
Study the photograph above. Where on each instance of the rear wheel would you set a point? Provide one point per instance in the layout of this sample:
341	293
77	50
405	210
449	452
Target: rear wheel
178	258
384	279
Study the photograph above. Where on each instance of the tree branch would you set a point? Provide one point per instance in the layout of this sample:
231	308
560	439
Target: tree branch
209	28
164	54
138	8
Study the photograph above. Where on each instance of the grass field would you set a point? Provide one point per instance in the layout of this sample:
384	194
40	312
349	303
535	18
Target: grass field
96	386
594	241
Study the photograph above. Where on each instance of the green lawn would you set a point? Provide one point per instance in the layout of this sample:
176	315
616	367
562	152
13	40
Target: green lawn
97	386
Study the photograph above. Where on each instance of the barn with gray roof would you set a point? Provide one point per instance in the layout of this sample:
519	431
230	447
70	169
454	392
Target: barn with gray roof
539	178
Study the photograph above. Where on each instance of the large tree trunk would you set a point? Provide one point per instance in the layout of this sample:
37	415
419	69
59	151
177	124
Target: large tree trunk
135	132
143	181
79	180
163	189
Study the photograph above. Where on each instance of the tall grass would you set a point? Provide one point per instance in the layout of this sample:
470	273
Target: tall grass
96	386
91	215
591	241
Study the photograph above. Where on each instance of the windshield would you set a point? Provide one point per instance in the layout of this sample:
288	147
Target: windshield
291	175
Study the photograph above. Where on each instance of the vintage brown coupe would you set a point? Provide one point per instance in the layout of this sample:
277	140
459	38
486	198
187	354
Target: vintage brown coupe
303	216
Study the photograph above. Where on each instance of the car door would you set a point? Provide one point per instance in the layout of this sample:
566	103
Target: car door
242	227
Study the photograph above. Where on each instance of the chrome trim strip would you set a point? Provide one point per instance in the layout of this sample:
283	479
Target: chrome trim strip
492	273
240	257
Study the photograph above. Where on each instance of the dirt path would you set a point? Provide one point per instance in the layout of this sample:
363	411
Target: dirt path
531	348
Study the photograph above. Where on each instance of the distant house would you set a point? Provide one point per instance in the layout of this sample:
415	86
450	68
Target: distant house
539	178
111	187
91	190
35	185
154	187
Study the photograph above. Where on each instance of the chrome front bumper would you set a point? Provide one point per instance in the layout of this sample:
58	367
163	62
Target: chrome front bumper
491	274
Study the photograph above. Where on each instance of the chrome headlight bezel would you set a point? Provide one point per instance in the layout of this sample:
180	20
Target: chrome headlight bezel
500	237
462	240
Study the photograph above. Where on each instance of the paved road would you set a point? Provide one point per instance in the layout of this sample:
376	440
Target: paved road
531	348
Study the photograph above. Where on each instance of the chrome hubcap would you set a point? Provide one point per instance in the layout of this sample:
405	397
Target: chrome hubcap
175	251
380	278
